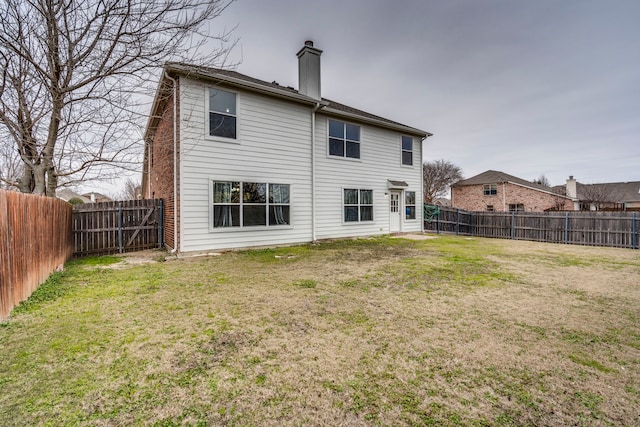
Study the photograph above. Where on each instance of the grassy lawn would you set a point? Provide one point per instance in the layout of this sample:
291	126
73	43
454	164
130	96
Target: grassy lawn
384	331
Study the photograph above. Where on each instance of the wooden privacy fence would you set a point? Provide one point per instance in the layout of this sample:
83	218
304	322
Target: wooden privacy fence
612	229
117	227
35	240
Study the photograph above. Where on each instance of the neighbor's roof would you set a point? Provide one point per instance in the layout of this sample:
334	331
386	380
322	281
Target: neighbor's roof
497	177
623	191
233	78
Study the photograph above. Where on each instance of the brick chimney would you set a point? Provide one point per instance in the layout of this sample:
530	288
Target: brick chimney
571	188
309	70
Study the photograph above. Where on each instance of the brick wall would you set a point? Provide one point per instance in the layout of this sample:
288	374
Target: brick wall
472	198
161	166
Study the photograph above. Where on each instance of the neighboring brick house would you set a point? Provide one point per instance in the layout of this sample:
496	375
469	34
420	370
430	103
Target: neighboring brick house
242	162
602	196
501	192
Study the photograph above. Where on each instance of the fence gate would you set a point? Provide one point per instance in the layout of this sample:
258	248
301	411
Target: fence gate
117	227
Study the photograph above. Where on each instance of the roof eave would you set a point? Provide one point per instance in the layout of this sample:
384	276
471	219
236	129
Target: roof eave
256	87
380	123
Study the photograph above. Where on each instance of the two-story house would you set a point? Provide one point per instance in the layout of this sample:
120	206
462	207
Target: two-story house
241	162
500	192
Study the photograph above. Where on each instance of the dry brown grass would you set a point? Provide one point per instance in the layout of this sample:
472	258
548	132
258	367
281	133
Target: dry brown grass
449	331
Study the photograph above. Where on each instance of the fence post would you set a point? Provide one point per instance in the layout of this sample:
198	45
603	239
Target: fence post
457	222
566	228
513	225
472	227
438	223
120	228
634	232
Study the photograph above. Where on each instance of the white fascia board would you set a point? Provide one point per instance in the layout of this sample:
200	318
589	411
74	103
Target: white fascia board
379	123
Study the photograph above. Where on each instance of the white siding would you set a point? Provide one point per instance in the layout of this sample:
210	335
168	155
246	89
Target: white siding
273	146
380	160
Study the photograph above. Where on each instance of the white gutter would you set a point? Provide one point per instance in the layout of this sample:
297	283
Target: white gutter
424	138
175	162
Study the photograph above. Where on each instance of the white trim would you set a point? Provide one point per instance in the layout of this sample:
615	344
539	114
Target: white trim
404	206
209	137
350	159
413	151
241	228
342	204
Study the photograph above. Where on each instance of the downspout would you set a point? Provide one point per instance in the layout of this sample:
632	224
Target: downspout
175	162
149	152
422	182
313	171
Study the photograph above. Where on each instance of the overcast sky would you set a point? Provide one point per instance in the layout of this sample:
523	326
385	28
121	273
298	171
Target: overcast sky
525	87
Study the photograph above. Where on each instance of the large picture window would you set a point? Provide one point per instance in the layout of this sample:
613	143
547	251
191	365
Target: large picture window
222	113
407	151
250	204
358	205
344	139
410	204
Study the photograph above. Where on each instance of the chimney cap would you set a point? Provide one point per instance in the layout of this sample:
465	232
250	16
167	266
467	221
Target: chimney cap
308	43
570	176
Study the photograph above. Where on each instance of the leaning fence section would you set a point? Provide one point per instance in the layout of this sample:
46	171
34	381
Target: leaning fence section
35	240
117	227
611	229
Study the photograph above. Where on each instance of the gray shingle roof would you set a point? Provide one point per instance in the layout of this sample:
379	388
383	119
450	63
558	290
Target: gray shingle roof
495	177
331	107
622	191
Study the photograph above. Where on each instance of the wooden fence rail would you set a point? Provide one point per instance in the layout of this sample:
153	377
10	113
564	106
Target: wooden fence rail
611	229
117	227
35	240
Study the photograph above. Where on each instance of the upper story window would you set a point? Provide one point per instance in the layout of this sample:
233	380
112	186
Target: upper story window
344	139
407	150
222	113
358	205
249	204
490	189
410	204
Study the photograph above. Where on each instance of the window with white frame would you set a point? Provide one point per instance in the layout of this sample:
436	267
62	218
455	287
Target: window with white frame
516	207
344	139
407	150
250	204
410	204
222	114
358	205
490	189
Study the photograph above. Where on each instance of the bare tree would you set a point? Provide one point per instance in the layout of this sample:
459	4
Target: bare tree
598	196
438	177
10	166
69	70
132	190
542	180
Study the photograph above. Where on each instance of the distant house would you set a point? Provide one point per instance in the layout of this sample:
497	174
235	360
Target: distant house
602	196
500	192
72	197
242	162
442	201
97	197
